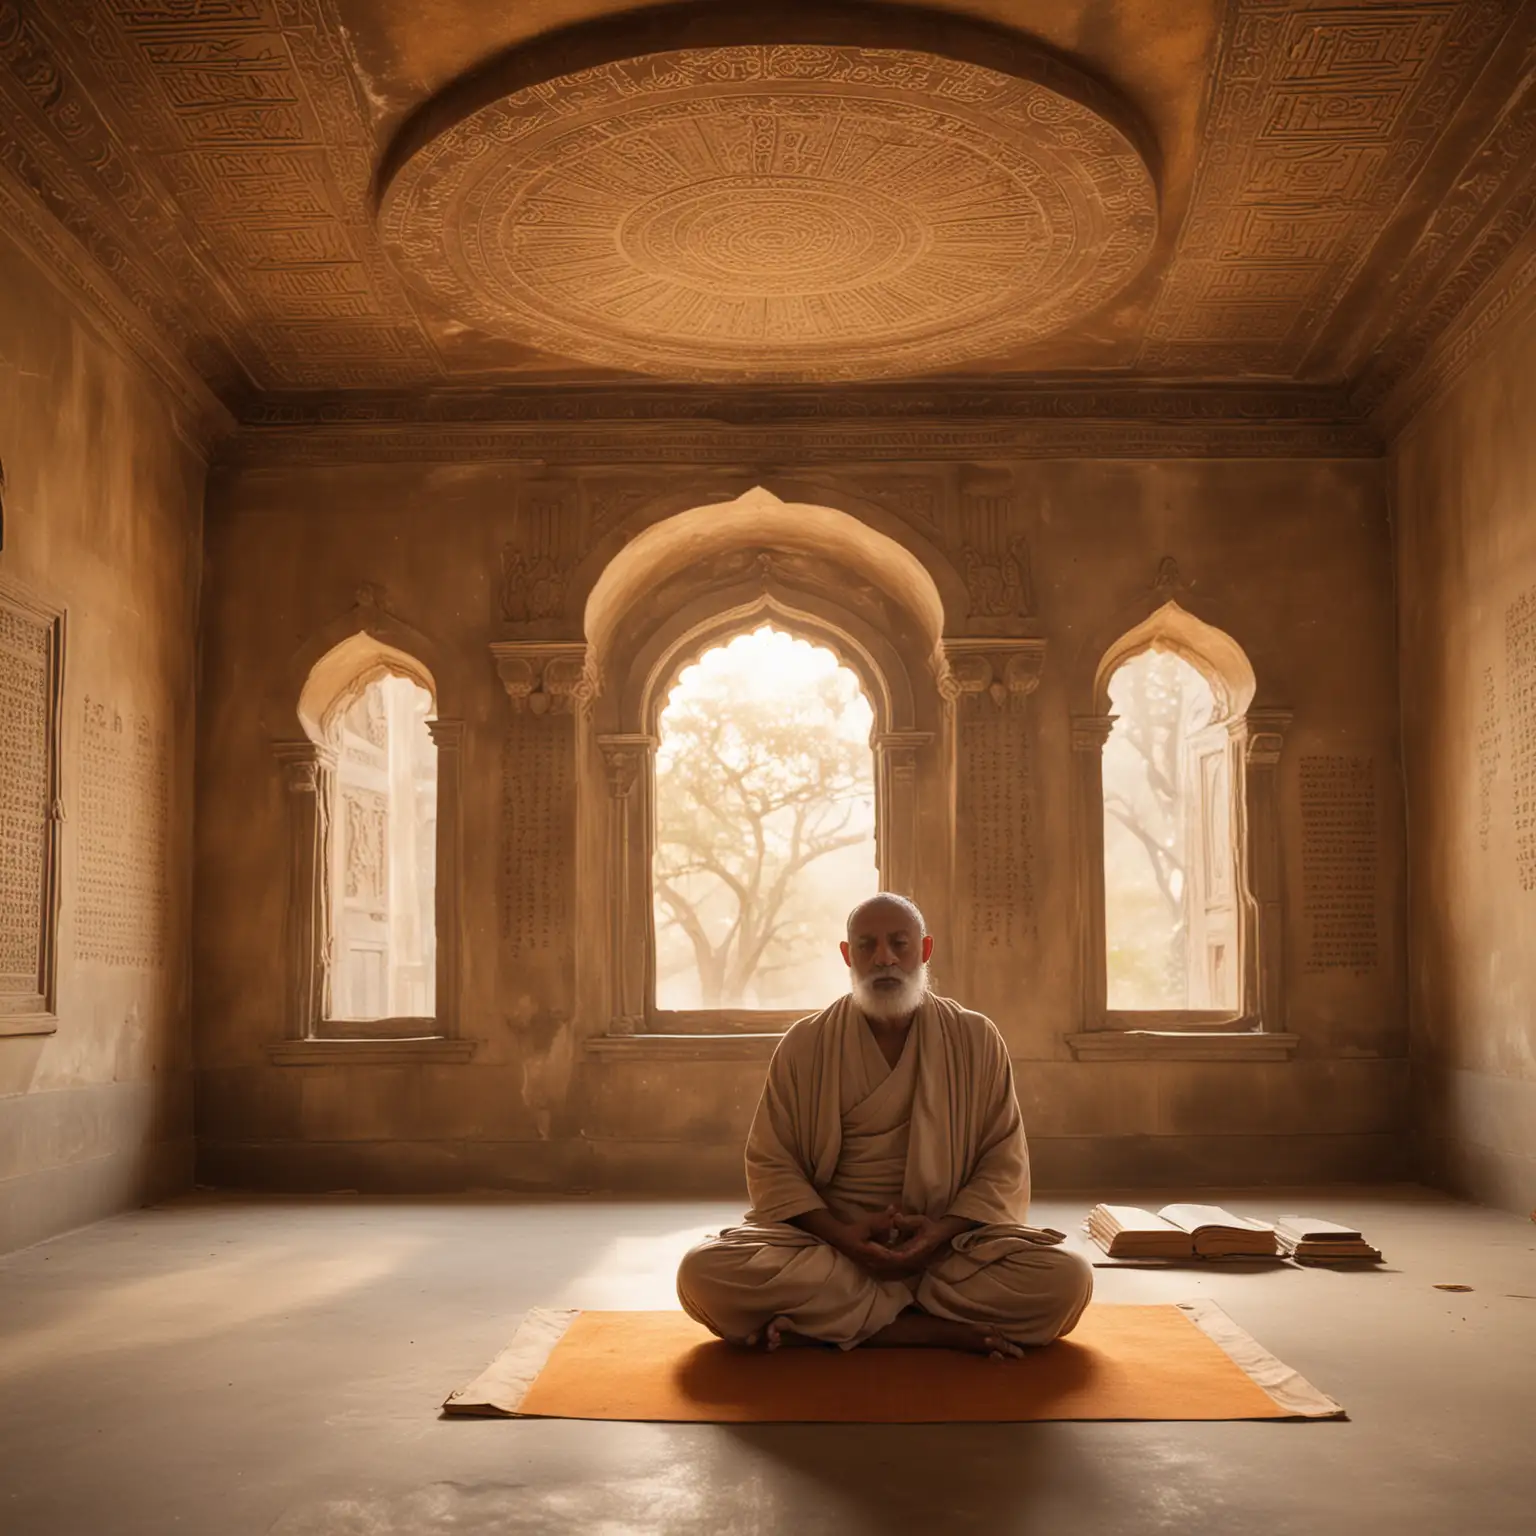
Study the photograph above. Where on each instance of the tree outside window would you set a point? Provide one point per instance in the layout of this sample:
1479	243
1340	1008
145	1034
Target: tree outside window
765	825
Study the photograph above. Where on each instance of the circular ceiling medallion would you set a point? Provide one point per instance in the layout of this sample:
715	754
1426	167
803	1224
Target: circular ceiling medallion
775	213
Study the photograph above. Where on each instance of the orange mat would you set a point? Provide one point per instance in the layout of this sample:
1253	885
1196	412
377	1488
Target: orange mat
1122	1362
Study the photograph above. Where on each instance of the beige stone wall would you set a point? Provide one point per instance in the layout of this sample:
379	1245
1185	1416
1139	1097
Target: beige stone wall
1465	491
103	512
1293	559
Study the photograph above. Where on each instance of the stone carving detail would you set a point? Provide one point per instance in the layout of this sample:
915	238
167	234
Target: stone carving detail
917	501
608	505
1490	741
997	811
28	756
537	835
236	240
623	761
544	679
1320	119
1339	861
256	122
123	911
998	574
1520	681
1448	277
1001	670
366	813
988	684
535	567
767	212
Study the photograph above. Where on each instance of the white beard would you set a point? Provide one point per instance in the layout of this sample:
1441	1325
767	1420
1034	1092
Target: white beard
886	1003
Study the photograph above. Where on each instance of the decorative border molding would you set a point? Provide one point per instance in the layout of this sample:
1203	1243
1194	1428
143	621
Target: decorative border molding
957	399
679	427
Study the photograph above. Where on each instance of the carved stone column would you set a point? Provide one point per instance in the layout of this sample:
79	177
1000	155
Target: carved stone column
544	676
548	686
987	683
627	764
896	811
1260	740
448	737
1089	733
308	774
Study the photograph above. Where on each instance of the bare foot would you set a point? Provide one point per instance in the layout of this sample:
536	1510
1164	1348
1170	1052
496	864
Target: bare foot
920	1330
778	1335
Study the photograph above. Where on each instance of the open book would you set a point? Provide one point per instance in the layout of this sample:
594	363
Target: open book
1311	1240
1179	1232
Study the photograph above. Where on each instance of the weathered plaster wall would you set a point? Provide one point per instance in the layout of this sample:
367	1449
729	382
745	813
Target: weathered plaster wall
1291	558
103	519
1465	490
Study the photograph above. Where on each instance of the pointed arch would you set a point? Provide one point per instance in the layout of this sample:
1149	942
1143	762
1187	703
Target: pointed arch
1210	651
1230	813
698	576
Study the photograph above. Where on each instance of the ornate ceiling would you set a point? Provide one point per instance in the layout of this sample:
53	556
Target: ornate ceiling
400	196
776	213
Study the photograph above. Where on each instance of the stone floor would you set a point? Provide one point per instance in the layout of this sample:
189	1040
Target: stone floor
242	1366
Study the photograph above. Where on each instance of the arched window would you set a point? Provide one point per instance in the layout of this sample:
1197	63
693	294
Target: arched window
1177	811
373	796
765	824
1170	906
381	924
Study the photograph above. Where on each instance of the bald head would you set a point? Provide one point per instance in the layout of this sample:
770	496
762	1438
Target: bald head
884	905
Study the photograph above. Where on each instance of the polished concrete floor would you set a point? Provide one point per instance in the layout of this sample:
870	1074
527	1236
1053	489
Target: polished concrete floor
242	1366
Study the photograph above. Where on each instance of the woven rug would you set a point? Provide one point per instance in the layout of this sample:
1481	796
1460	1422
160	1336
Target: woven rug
1188	1361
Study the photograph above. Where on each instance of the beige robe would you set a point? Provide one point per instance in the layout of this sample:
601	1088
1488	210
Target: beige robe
940	1133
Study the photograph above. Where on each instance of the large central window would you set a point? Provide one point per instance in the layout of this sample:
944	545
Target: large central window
765	825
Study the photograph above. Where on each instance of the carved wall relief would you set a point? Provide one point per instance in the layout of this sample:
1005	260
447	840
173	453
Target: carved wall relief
1490	741
547	686
537	829
989	684
123	910
1339	858
364	816
1319	120
545	677
1520	681
536	563
995	554
30	684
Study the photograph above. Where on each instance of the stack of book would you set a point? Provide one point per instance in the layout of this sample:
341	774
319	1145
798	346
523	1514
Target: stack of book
1311	1240
1179	1232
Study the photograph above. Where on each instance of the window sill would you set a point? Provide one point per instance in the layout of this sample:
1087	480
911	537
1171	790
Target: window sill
1180	1045
29	1024
370	1053
724	1021
649	1047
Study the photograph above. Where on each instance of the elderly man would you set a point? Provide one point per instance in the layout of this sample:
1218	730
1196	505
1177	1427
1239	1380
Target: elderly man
889	1178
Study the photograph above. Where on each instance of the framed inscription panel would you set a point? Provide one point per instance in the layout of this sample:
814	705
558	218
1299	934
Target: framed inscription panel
31	690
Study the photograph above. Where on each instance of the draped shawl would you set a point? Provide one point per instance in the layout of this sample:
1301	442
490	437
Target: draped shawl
966	1154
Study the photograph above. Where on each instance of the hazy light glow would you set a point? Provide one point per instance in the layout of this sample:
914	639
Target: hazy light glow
765	824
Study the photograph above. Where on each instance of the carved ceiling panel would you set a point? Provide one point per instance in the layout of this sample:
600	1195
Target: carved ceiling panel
206	173
775	213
